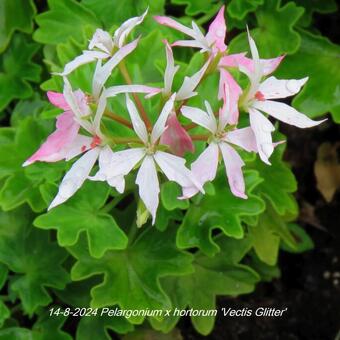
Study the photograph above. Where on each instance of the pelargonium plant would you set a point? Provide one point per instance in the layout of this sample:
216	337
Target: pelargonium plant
161	146
163	178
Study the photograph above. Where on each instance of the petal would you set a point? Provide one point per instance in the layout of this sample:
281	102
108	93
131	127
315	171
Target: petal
217	31
102	40
85	58
175	170
79	145
101	106
190	83
114	90
52	150
174	24
127	26
204	168
148	184
159	126
176	137
200	117
230	92
270	65
103	72
137	122
244	138
75	177
286	114
233	164
57	99
262	128
189	43
170	69
273	88
77	100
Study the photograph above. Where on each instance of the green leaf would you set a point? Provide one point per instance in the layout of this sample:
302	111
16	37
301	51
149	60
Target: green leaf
223	211
63	20
97	327
23	184
278	182
302	241
266	236
49	327
4	311
45	328
219	275
27	108
114	12
239	9
82	213
274	33
131	277
267	272
194	7
170	192
35	260
317	58
17	70
311	6
15	15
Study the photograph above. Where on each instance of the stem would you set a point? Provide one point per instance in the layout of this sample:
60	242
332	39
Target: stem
124	71
190	126
126	140
200	137
109	206
118	119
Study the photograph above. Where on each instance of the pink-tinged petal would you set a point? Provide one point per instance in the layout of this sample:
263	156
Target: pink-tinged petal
200	117
174	24
52	149
175	170
176	137
148	184
102	73
204	168
262	128
159	126
190	83
127	26
189	43
85	58
79	145
149	90
270	65
76	100
75	177
273	88
170	69
233	164
286	114
137	122
217	31
246	65
244	138
101	40
57	99
230	92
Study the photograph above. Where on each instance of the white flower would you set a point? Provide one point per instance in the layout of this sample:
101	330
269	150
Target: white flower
102	46
113	166
258	98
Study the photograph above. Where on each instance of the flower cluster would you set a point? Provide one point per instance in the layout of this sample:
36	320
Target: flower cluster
160	147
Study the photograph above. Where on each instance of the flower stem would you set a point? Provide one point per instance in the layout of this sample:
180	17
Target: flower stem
190	126
126	140
124	71
118	119
200	137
